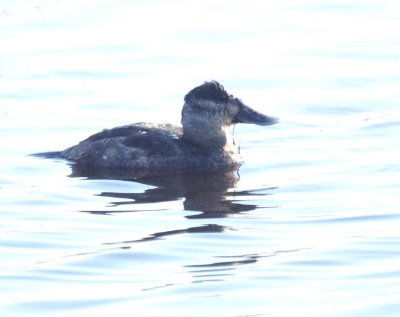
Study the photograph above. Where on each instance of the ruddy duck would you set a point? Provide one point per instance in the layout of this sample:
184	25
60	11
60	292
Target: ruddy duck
200	144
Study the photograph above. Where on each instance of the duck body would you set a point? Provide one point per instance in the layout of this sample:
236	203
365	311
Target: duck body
200	144
155	148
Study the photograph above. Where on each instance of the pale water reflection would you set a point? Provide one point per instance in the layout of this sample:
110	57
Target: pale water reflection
307	227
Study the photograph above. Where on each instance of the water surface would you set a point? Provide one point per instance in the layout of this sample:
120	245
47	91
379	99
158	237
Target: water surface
307	227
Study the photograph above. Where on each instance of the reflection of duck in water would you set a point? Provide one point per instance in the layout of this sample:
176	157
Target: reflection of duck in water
209	195
200	144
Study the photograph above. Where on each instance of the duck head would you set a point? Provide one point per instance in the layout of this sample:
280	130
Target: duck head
209	110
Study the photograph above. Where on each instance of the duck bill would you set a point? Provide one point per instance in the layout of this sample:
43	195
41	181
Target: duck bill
248	115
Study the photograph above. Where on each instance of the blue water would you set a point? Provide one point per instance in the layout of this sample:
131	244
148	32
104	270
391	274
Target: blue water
308	227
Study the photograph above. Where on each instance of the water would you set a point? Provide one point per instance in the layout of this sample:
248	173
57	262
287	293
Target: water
309	225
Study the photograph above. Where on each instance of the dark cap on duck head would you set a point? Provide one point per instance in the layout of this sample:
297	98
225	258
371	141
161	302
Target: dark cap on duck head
210	90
